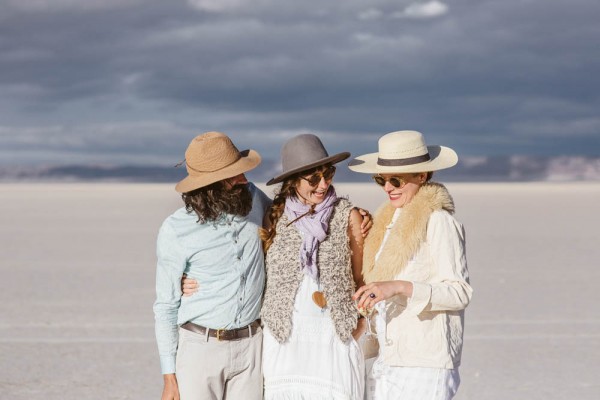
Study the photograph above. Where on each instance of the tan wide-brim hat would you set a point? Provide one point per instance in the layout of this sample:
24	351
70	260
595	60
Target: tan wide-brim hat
212	157
304	152
404	151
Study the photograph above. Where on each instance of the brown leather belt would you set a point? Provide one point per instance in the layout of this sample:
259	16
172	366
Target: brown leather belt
222	334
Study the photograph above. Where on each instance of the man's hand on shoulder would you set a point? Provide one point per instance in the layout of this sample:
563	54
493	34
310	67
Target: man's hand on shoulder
367	221
170	390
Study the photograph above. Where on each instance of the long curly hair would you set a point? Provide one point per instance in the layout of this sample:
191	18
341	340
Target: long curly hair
213	201
287	190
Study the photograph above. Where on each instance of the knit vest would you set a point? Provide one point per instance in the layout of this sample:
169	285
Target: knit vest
284	275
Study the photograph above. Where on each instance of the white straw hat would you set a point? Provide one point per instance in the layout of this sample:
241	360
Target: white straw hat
404	151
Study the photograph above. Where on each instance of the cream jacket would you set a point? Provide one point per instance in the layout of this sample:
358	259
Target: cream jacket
426	246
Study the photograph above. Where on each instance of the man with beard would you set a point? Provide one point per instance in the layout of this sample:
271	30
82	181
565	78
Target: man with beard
210	344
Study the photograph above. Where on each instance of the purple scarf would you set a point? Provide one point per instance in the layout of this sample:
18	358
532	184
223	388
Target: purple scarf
314	227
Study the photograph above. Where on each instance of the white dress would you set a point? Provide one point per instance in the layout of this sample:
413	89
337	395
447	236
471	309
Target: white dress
384	382
313	364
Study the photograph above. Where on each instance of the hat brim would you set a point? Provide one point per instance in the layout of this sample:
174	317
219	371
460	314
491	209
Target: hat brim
249	160
327	160
441	157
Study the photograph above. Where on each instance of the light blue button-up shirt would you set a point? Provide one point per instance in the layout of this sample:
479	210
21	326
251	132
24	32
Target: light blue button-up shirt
225	257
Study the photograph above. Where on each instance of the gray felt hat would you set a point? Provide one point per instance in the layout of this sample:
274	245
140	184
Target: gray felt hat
304	152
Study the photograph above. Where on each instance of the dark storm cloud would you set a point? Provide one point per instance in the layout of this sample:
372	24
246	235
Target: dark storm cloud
121	80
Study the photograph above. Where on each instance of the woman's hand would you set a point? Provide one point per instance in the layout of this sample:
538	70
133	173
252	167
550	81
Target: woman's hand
189	286
373	293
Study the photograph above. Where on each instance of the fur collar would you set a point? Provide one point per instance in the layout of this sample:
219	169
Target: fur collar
407	235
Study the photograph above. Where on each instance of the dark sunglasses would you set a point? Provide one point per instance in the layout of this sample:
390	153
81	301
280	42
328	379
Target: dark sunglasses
314	179
394	181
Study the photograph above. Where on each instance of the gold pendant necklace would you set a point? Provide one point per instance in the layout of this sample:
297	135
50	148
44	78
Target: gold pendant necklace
319	299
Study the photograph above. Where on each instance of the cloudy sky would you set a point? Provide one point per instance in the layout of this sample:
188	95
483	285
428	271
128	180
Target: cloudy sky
133	81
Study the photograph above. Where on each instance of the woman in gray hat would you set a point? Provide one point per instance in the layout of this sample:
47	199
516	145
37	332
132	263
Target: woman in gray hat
313	245
415	268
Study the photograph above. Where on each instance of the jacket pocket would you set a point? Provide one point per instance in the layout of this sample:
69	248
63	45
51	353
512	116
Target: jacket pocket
424	336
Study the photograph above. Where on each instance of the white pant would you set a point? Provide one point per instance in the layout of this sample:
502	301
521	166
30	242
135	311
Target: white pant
209	369
410	383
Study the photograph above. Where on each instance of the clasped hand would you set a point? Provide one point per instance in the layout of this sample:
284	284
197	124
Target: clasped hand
369	295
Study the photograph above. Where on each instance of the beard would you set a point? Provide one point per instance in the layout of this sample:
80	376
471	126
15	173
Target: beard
239	200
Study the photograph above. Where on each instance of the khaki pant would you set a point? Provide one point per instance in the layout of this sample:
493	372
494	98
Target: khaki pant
209	369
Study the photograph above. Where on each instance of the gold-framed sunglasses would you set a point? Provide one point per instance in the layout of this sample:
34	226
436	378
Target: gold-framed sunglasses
314	179
394	181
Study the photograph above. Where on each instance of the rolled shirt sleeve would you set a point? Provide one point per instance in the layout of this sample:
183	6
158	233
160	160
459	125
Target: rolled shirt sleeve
169	270
451	291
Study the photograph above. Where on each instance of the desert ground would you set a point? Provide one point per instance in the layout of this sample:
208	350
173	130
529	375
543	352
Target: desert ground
77	264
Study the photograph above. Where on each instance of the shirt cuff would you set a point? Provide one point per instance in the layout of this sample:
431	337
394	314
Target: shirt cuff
420	298
167	364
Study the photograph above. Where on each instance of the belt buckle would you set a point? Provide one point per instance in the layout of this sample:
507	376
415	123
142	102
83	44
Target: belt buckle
219	333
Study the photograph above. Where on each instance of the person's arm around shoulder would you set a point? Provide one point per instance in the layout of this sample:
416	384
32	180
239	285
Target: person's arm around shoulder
265	201
356	245
266	220
355	235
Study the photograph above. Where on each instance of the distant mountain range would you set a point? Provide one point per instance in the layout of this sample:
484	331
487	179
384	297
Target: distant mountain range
469	169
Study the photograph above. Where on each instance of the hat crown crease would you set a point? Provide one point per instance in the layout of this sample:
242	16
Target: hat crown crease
402	153
211	153
402	144
302	150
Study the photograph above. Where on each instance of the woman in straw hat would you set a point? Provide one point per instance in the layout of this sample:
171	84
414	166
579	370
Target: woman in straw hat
415	270
313	245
